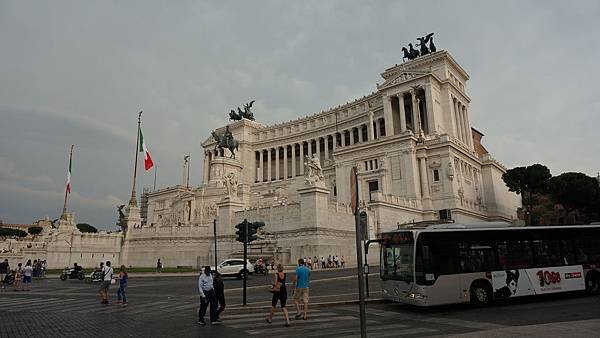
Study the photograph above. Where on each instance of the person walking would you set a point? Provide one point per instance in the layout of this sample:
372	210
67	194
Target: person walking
107	273
279	294
219	287
207	297
301	289
322	262
27	275
18	277
123	279
4	269
158	266
343	261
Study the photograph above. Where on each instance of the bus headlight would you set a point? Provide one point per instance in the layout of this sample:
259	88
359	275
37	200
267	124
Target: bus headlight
414	295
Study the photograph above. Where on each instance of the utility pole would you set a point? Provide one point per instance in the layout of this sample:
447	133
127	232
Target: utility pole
361	287
215	232
245	273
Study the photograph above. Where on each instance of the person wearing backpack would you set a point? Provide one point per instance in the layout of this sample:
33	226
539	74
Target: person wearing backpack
107	280
219	287
279	294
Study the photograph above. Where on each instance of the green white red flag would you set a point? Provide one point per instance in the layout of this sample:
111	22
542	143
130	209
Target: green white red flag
148	164
69	177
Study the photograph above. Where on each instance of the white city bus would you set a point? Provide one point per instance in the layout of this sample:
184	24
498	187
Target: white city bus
450	263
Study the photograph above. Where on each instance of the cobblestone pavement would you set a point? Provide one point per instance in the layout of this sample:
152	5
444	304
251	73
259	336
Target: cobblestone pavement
159	308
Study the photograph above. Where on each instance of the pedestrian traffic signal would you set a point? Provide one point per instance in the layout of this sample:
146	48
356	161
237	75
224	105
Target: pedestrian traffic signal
240	233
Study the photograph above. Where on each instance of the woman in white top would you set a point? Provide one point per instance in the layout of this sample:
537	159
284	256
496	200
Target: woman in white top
27	273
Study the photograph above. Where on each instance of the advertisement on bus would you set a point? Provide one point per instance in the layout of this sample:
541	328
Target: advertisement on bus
524	282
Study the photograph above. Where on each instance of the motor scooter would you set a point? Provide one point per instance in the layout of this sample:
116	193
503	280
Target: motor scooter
94	277
70	273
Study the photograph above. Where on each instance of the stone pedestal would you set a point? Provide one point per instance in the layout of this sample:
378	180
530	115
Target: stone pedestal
226	222
314	204
67	222
131	220
221	166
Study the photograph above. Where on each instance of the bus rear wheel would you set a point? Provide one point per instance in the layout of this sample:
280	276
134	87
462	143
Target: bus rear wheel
592	282
481	294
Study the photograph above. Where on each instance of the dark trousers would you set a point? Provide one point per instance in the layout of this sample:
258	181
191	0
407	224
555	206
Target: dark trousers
221	301
209	298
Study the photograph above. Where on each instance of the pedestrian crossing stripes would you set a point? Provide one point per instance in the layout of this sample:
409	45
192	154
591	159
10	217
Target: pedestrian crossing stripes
319	324
66	305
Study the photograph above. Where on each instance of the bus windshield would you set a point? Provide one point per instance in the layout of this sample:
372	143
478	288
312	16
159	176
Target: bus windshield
398	262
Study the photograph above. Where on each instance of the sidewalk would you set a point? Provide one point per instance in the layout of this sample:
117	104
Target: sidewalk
574	329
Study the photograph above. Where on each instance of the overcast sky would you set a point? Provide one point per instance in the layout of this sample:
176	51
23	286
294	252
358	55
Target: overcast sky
78	72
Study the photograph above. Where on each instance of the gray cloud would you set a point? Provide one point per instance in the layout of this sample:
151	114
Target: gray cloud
79	73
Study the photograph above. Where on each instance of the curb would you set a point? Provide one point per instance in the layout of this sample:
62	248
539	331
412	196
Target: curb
237	309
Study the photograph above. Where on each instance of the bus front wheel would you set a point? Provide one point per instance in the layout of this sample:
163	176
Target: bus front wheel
481	293
592	282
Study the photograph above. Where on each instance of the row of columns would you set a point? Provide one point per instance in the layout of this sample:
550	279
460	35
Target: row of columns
461	121
324	148
398	116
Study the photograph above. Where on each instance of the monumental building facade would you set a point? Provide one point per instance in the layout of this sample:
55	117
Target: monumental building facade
418	158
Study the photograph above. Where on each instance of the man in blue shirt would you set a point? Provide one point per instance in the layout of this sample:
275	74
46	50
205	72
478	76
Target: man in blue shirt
301	290
207	296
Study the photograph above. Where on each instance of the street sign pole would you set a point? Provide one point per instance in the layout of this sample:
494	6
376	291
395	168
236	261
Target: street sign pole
359	261
215	232
244	272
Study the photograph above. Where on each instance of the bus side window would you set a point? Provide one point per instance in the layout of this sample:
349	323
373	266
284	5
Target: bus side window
567	253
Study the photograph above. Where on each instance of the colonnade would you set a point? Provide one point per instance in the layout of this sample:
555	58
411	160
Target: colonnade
287	161
461	122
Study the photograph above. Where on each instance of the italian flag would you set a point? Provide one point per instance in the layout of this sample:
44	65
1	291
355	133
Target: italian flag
148	164
69	177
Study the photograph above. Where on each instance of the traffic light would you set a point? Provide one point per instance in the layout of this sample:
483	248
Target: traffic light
252	229
240	233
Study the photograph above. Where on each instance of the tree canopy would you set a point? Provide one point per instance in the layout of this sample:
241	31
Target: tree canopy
84	227
34	230
528	181
12	232
576	191
532	179
577	194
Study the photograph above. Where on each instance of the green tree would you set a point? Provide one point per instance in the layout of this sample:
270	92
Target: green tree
12	232
34	230
84	227
576	191
528	181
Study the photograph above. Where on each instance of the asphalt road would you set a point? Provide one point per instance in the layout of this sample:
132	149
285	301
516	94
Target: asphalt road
161	306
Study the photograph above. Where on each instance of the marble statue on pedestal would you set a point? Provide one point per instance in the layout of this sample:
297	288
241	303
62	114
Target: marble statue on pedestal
313	173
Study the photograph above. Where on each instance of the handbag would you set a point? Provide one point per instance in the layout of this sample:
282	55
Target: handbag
275	288
113	281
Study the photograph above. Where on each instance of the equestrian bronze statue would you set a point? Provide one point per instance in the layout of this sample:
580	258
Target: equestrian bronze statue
226	141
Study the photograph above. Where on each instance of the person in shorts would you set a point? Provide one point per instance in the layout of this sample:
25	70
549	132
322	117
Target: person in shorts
107	272
301	290
279	296
27	275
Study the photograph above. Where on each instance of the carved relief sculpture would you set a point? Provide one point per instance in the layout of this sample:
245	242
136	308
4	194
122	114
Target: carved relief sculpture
450	171
231	185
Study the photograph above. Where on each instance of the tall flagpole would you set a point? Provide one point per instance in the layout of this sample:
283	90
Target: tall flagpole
155	168
132	200
64	211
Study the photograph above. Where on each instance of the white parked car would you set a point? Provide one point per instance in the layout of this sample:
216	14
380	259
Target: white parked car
234	267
